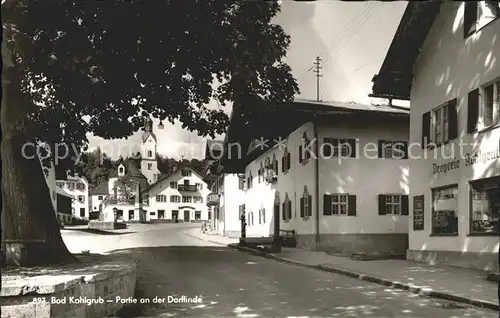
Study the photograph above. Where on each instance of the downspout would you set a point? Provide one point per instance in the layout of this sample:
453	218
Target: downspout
316	167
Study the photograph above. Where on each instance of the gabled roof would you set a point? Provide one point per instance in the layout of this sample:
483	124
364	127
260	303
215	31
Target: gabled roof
291	116
146	135
168	175
130	170
395	77
102	188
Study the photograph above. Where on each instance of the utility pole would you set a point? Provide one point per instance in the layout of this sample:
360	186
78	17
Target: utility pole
317	70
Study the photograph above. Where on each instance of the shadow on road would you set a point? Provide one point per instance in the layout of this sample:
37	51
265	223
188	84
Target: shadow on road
236	284
99	232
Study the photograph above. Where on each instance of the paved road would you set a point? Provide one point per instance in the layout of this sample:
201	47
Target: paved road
237	284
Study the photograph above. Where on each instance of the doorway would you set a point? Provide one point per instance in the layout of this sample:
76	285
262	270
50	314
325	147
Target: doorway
187	216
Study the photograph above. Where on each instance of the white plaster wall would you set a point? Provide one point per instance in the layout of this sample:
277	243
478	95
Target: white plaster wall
233	198
111	184
96	202
163	187
291	183
75	193
149	145
366	176
450	66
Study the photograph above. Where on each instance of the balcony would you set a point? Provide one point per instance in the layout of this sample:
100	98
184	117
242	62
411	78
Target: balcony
187	187
212	199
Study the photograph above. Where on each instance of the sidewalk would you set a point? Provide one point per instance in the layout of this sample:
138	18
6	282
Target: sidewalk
446	282
212	238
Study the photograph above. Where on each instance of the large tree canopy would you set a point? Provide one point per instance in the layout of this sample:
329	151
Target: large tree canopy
116	62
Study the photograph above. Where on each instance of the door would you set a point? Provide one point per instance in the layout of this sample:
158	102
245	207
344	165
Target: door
187	216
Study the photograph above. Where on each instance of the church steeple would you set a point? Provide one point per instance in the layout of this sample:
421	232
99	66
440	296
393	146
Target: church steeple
149	165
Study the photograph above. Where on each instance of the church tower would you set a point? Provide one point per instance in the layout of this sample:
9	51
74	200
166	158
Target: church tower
149	164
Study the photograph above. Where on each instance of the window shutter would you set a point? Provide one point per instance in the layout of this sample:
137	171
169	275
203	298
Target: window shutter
283	163
300	154
275	167
309	209
426	129
264	216
289	209
301	207
381	204
288	157
351	205
327	204
472	111
381	144
352	144
327	147
283	212
405	208
453	119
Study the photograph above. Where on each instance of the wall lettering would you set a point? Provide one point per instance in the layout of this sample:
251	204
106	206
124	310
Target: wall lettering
445	167
481	157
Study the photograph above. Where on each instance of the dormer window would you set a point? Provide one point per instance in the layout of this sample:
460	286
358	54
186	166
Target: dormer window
186	172
121	170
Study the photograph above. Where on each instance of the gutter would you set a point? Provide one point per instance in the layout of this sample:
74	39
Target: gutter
316	168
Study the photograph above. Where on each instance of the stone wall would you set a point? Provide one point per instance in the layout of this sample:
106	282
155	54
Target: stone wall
89	290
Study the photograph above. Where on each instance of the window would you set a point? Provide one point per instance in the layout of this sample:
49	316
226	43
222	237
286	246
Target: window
100	197
199	186
145	199
339	204
286	209
175	199
81	199
121	170
152	213
260	172
71	186
130	214
186	172
198	199
262	216
393	204
440	125
209	214
197	215
478	14
305	205
175	214
344	148
82	212
161	214
393	149
485	206
80	186
187	199
241	183
60	184
173	184
150	155
250	219
186	182
161	198
488	105
249	182
285	161
150	166
444	210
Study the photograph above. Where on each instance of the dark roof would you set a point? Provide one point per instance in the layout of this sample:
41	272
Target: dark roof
102	188
130	169
292	116
395	77
168	175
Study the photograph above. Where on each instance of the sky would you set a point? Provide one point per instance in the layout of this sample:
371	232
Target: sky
351	38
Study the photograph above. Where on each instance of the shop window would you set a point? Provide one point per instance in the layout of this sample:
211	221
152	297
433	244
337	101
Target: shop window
445	210
485	207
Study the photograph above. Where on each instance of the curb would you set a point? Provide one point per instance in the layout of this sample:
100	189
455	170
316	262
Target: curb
202	239
372	279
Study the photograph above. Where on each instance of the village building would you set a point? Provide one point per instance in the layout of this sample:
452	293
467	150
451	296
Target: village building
77	187
226	200
350	198
444	60
61	200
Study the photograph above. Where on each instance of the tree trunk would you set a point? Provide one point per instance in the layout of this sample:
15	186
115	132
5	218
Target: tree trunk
30	231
